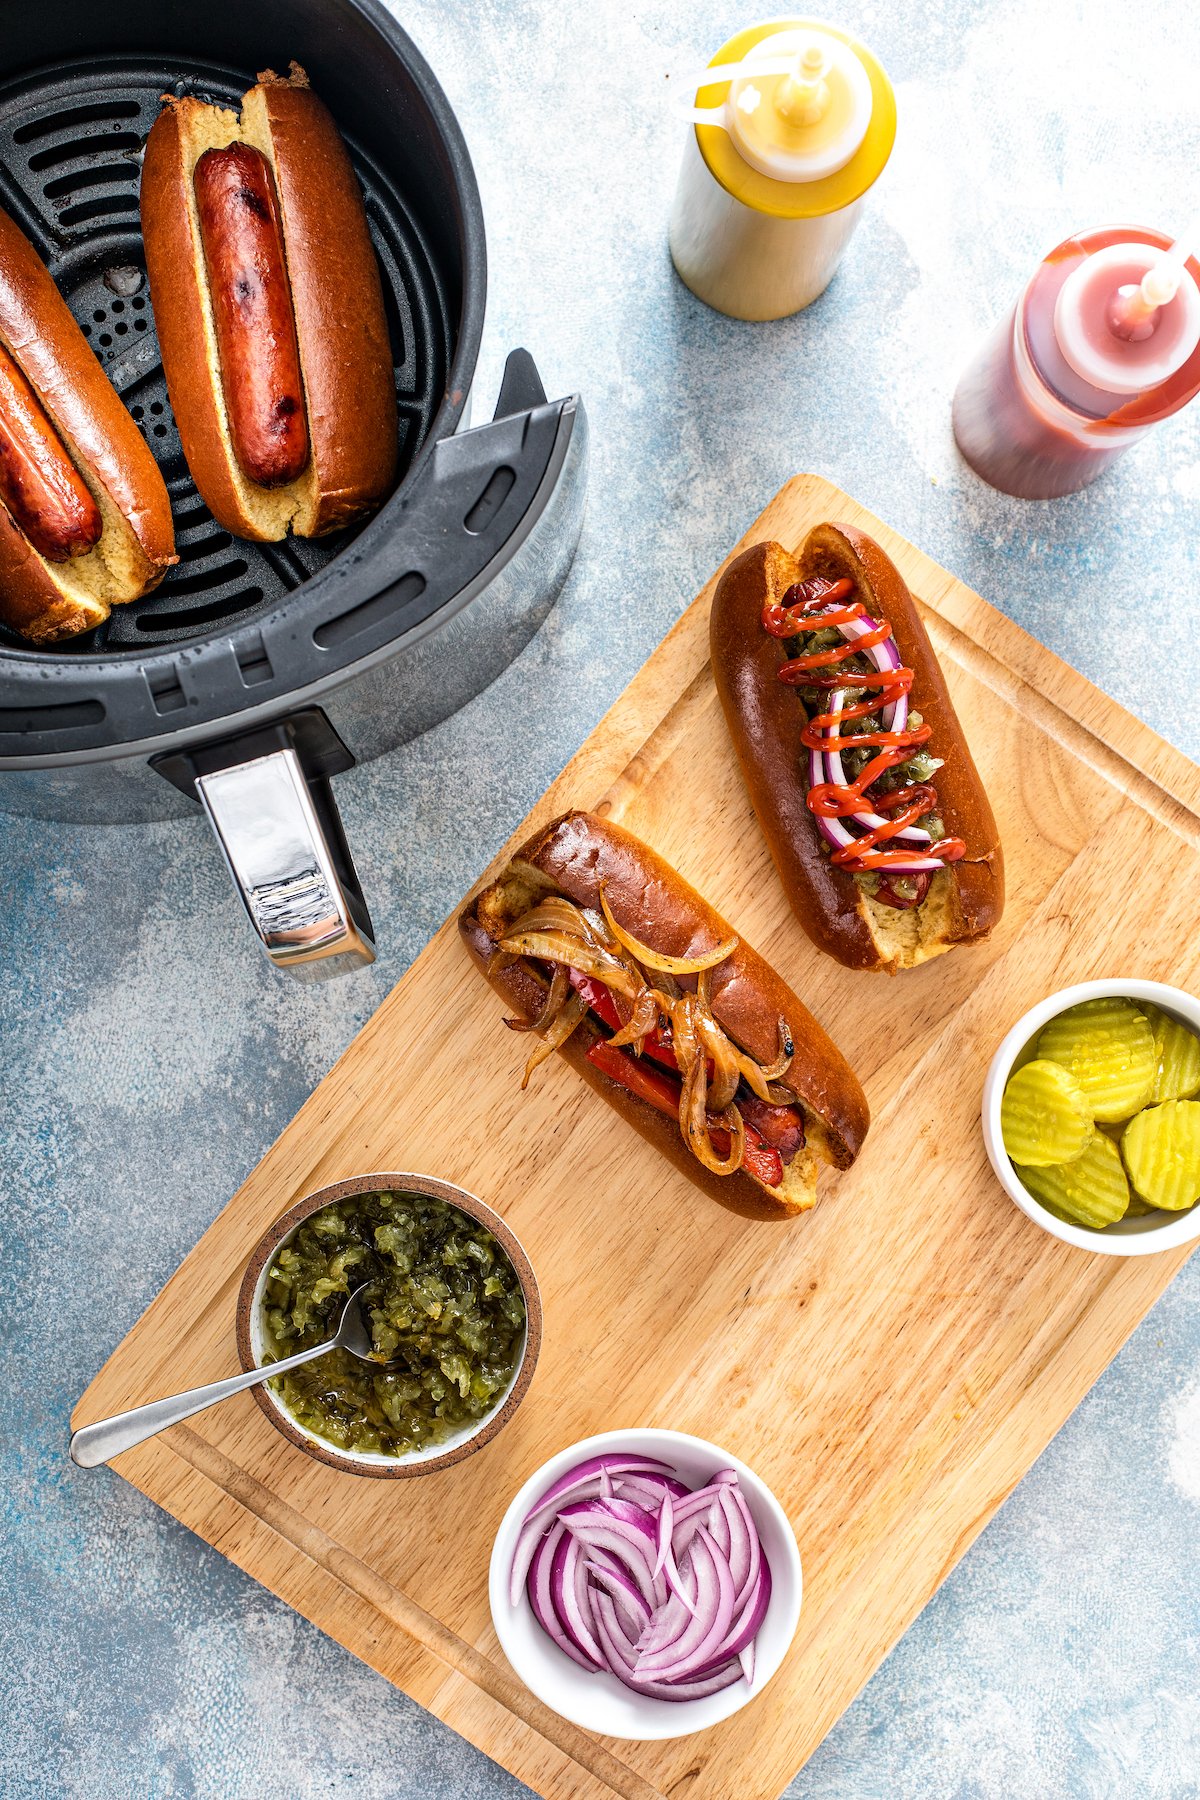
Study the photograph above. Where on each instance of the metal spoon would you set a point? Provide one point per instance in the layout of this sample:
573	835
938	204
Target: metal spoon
94	1444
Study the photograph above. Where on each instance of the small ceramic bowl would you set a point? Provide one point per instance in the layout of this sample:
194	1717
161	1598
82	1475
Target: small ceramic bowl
1128	1237
364	1462
600	1702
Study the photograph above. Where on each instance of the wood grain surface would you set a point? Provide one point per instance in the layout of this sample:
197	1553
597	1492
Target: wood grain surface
891	1363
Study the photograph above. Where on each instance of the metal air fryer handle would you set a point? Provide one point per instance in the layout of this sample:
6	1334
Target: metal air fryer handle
268	799
268	823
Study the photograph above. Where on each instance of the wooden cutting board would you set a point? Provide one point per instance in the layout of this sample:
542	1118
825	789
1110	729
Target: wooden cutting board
891	1364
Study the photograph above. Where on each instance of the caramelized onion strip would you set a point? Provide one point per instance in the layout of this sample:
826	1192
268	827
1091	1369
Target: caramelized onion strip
642	1019
787	1050
654	959
572	1014
556	914
725	1061
693	1118
557	947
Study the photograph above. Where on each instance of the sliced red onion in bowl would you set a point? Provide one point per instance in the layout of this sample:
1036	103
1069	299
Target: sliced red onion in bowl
615	1465
648	1490
702	1639
540	1602
565	1599
586	1479
666	1520
699	1501
633	1610
630	1572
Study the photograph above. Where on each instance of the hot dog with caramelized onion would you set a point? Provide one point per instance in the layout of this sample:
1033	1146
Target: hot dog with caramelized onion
606	954
85	523
855	762
270	311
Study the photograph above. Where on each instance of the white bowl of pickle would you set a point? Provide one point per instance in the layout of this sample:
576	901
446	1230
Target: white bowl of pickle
1091	1116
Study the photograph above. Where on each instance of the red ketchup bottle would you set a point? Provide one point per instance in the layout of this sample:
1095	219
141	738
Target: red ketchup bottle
1103	343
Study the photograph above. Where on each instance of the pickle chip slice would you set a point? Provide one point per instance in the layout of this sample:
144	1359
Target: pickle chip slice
1161	1148
1045	1117
1176	1057
1108	1046
1092	1190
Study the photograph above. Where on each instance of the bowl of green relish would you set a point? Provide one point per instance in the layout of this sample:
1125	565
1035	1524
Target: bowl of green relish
452	1307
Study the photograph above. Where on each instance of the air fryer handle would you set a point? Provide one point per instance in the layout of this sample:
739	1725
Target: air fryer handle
268	799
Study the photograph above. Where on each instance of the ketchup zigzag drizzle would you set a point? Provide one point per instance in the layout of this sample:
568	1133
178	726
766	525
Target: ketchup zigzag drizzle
813	605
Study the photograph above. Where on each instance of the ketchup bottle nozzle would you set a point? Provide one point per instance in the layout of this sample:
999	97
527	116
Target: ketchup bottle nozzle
1132	309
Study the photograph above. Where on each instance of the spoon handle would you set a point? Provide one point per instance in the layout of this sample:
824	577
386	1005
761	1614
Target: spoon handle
94	1444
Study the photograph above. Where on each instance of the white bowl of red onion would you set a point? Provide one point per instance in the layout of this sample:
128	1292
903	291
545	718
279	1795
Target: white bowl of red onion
645	1584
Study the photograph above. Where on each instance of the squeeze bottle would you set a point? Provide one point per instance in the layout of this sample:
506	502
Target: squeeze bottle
793	121
1103	343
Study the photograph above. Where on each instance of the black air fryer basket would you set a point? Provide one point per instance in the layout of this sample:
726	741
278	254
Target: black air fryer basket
255	672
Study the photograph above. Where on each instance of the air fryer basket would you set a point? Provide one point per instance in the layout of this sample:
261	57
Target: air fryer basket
223	678
70	150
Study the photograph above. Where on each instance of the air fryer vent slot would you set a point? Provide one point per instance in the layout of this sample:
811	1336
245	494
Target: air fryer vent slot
66	715
84	147
500	484
371	612
70	162
62	121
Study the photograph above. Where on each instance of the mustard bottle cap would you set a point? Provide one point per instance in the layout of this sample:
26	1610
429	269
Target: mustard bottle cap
808	123
794	118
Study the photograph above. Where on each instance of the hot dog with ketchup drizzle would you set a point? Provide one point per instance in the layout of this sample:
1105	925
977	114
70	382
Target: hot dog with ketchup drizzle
841	717
815	605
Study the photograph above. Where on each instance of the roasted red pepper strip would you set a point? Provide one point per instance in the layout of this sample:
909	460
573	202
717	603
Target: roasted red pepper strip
656	1043
660	1091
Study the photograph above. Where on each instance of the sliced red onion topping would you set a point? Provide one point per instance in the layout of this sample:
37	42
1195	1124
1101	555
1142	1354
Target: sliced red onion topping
833	762
826	765
629	1571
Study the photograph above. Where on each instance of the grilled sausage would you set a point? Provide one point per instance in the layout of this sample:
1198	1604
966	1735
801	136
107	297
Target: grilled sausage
85	522
39	484
252	313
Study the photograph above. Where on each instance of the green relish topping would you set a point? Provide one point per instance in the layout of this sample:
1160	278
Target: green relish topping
445	1311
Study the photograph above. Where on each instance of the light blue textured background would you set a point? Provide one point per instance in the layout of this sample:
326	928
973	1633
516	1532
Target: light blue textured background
151	1055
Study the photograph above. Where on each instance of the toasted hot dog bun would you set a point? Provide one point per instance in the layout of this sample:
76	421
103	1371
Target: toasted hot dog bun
765	718
575	856
337	299
47	600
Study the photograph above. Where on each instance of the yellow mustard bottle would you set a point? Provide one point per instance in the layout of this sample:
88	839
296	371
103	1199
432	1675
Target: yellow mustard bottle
796	122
